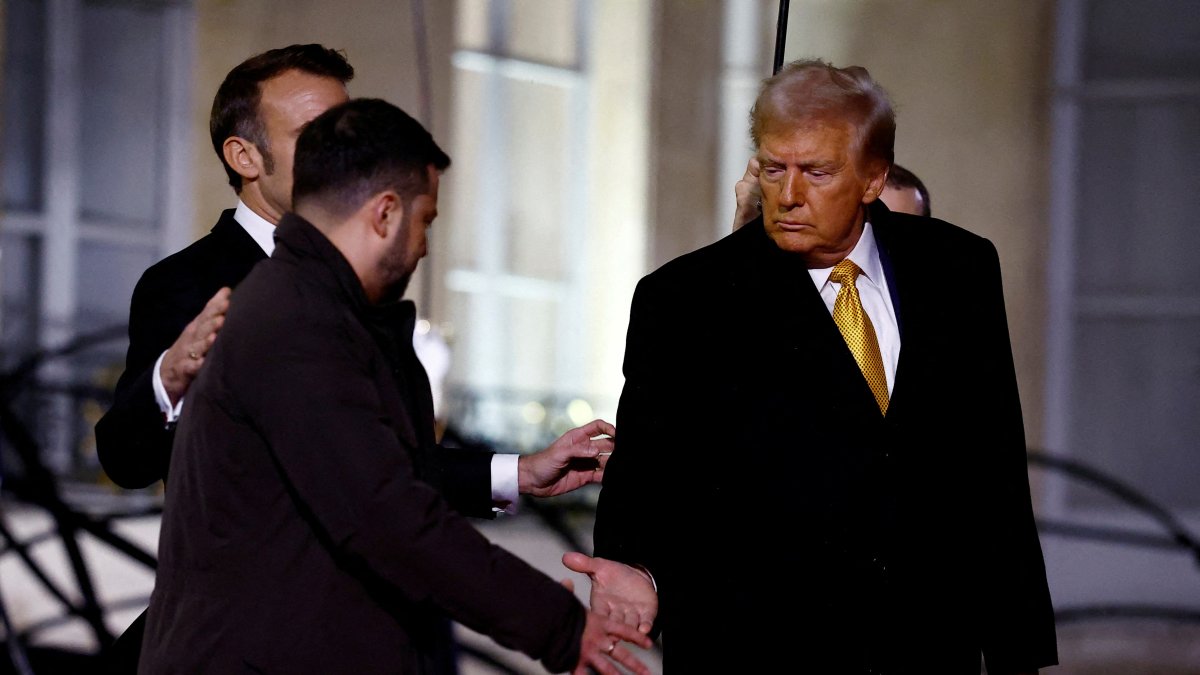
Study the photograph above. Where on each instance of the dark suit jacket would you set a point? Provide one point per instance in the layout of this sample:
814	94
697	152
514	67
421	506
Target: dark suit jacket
897	544
132	440
296	537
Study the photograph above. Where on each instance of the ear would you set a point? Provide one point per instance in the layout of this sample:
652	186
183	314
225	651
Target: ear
243	157
878	172
386	210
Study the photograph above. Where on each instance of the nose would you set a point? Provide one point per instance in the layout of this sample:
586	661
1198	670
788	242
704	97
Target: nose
791	193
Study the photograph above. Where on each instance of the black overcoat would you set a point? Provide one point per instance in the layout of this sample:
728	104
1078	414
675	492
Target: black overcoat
789	526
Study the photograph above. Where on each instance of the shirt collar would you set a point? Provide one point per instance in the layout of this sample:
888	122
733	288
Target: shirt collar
259	228
865	254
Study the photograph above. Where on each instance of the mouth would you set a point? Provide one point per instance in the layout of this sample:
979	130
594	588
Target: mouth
791	225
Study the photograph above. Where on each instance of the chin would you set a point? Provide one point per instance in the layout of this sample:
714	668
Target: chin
793	242
395	291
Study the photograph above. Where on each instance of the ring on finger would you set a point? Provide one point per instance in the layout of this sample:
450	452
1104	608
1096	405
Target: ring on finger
193	356
610	649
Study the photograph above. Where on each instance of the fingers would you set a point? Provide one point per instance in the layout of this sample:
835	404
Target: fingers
212	317
219	301
604	445
603	449
578	562
185	357
568	584
626	632
201	333
626	658
598	428
601	657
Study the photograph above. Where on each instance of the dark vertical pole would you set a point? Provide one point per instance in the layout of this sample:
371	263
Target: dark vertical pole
425	94
780	34
424	76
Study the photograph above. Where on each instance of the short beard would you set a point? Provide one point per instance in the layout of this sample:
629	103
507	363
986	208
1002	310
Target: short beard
395	292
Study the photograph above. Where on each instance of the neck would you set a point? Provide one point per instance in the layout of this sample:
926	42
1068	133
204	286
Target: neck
343	234
818	260
252	197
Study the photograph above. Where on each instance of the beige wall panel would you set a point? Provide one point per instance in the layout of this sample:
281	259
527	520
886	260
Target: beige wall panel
685	119
619	61
970	80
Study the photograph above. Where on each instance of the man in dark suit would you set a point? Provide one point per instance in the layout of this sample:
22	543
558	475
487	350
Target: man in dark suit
296	535
857	499
179	305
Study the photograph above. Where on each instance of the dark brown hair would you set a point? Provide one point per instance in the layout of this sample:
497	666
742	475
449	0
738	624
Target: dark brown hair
360	148
235	108
901	178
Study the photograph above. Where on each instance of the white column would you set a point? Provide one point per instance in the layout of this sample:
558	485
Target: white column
58	264
742	71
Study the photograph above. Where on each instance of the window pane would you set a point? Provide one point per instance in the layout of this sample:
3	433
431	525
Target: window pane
1137	180
463	189
19	272
106	277
1138	406
24	99
489	397
122	140
538	128
458	317
543	31
532	340
1144	39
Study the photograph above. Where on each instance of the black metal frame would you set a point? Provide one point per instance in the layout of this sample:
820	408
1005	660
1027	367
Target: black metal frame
39	487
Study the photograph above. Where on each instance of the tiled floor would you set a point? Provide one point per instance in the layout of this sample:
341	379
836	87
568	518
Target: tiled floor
1127	647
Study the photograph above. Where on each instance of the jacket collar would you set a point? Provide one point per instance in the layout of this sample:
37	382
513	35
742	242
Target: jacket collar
299	241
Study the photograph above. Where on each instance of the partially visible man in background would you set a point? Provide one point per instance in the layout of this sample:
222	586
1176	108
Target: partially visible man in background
905	193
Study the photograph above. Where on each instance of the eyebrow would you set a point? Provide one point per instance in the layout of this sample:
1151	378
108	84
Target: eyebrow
823	164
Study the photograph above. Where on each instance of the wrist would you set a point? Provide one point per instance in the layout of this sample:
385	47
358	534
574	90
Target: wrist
640	569
523	479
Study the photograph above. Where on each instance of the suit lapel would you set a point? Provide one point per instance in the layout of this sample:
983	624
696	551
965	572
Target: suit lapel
240	243
903	272
783	304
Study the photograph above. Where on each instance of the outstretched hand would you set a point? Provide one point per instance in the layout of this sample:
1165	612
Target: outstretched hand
602	647
619	591
577	458
183	359
749	195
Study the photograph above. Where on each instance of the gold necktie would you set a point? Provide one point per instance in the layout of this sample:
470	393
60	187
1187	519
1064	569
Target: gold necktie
858	332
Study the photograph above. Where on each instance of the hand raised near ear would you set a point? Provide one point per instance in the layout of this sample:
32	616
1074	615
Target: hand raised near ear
749	195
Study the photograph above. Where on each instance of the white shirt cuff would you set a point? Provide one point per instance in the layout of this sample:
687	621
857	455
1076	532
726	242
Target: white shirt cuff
647	572
164	401
505	492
